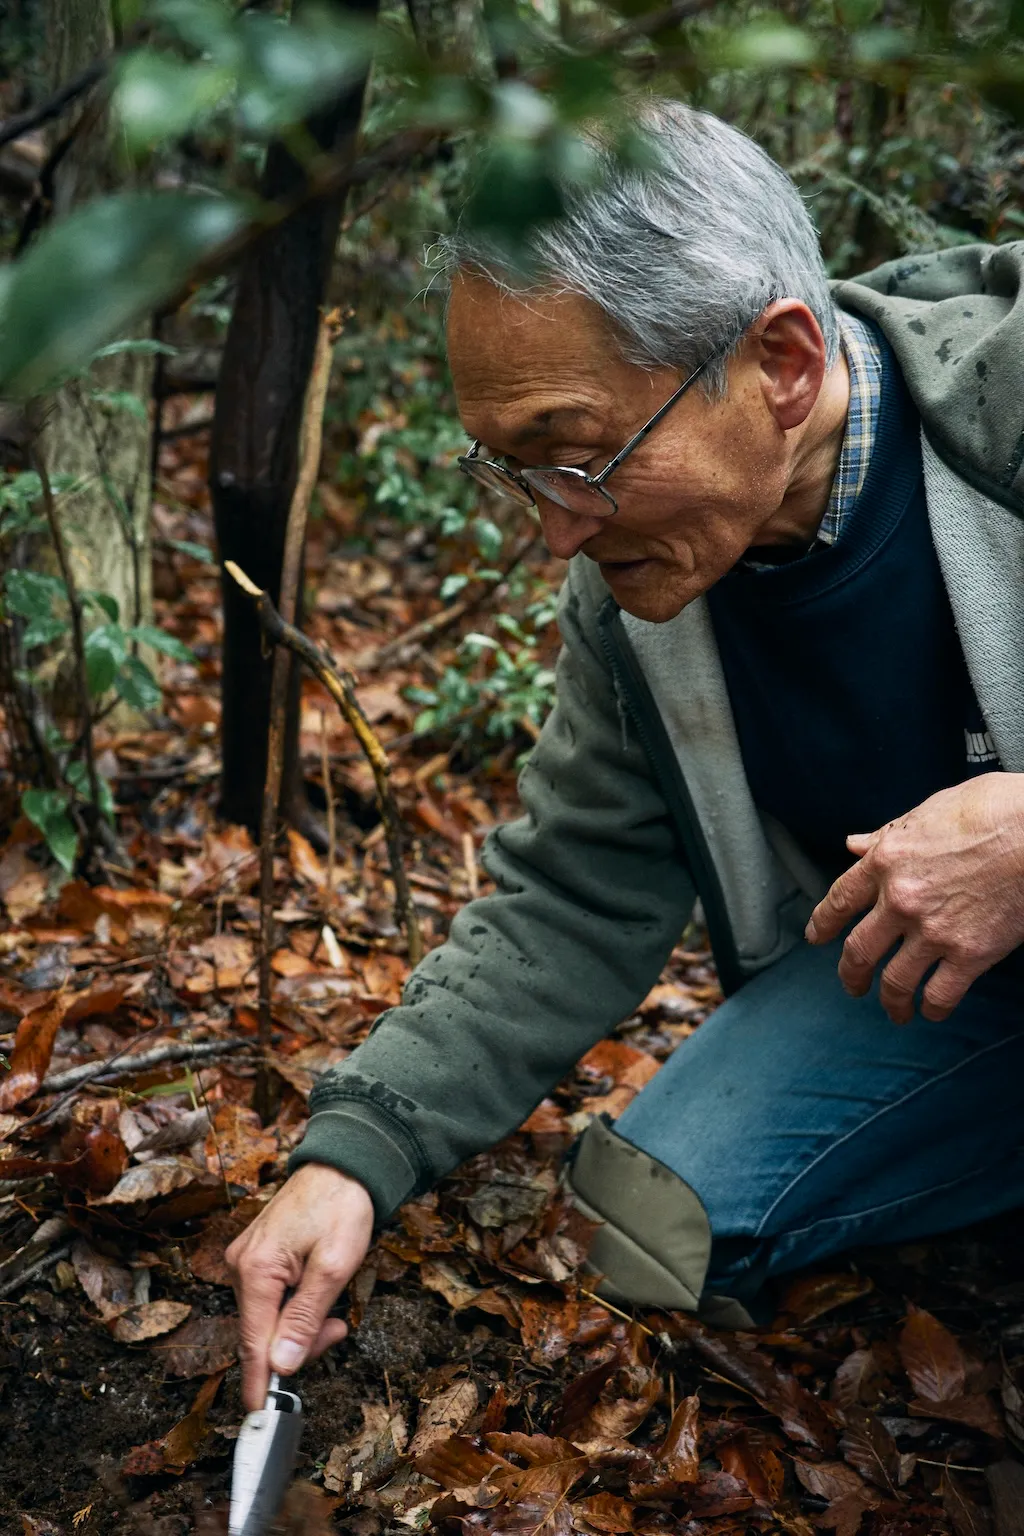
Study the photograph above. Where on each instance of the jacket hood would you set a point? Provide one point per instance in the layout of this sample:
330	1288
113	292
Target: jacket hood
955	320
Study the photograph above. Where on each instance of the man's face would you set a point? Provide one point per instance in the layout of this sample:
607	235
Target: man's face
539	380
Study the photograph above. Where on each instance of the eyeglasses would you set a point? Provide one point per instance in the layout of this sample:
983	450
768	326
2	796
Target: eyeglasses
572	489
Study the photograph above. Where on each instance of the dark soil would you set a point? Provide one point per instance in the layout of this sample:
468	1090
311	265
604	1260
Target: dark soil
74	1402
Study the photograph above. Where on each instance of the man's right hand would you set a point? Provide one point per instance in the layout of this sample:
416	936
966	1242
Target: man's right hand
312	1236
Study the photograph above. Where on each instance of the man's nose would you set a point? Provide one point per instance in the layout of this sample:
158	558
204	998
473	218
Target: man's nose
565	532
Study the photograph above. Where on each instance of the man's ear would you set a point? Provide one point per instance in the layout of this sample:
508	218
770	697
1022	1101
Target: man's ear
792	361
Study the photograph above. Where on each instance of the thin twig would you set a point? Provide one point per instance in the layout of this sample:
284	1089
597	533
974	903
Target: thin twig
332	841
593	1296
77	639
654	22
159	1056
54	1256
291	574
437	623
341	687
35	117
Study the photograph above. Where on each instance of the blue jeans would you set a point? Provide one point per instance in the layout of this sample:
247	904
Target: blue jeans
808	1123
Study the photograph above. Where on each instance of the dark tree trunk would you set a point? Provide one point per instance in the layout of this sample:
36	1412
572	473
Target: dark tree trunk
254	449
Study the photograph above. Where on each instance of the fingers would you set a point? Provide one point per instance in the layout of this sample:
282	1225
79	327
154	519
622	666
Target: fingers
850	894
313	1236
303	1322
260	1280
946	988
902	977
865	948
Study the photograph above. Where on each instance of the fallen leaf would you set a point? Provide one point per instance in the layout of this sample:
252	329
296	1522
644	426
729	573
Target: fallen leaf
226	961
202	1346
285	962
719	1493
153	1180
548	1129
553	1467
868	1446
549	1328
976	1411
859	1379
186	1127
604	1512
608	1403
22	884
384	976
964	1514
107	1284
460	1293
750	1459
98	1158
677	1457
827	1479
33	1047
102	998
459	1464
175	1451
444	1415
206	1260
305	861
506	1198
149	1320
932	1358
137	914
237	1146
372	1456
812	1296
804	1417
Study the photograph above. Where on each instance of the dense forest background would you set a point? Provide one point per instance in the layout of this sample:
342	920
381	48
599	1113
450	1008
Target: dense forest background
221	339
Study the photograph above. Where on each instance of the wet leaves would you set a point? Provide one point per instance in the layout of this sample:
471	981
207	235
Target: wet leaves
179	1448
935	1363
201	1347
33	1047
149	1320
108	1285
932	1358
445	1415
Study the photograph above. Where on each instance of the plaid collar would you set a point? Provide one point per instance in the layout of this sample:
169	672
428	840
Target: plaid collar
864	360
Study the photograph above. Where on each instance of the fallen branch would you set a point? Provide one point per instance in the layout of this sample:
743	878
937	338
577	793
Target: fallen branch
159	1056
291	575
428	629
36	1254
342	690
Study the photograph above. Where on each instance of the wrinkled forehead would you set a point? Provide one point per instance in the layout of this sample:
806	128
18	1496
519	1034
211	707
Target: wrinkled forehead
533	366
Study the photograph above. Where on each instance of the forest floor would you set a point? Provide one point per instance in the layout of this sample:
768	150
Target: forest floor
483	1387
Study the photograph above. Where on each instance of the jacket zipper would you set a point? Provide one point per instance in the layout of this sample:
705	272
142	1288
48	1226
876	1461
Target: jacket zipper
633	687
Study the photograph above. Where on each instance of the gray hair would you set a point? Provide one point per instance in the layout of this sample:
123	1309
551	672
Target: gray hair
682	254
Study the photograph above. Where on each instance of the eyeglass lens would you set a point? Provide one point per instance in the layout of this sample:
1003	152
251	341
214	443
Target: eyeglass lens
573	492
494	478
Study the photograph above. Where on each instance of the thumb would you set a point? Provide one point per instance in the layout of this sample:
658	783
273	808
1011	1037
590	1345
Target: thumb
860	842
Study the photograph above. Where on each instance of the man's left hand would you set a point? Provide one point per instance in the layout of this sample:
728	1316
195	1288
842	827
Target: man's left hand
948	880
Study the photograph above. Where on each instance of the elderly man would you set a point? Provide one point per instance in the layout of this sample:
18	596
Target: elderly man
792	685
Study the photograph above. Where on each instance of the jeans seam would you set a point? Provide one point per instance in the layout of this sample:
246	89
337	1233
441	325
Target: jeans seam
864	1124
858	1217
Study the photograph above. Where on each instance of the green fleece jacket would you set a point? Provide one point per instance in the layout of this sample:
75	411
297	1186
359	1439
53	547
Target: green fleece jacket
635	801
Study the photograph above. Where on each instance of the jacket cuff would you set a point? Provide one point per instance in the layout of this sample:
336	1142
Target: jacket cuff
347	1135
